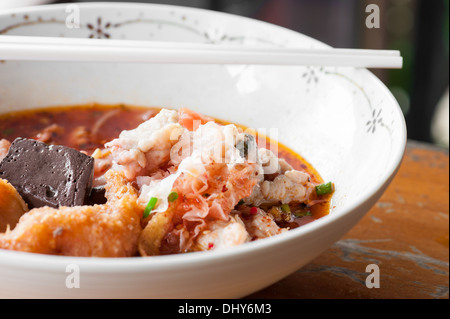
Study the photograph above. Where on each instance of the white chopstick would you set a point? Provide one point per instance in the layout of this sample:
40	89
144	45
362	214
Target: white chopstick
108	50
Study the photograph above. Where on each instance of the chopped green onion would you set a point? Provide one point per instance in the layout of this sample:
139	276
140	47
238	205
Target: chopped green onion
285	208
172	196
301	214
325	189
151	204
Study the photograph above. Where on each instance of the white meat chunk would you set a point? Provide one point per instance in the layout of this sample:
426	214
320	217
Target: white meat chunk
4	148
144	149
291	186
222	234
271	164
262	225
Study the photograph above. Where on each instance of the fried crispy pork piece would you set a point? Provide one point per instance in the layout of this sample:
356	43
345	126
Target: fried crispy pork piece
153	234
109	230
12	206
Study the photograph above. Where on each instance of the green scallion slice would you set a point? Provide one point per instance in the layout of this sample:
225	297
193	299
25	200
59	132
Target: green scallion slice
285	208
302	214
324	189
150	206
173	196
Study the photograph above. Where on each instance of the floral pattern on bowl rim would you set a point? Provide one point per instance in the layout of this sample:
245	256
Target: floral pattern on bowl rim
107	28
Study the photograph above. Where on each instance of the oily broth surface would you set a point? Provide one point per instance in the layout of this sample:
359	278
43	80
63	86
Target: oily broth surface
75	121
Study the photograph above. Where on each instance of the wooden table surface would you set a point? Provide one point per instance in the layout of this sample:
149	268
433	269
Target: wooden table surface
406	234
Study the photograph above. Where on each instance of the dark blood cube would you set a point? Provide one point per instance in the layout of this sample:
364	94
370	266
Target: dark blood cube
48	175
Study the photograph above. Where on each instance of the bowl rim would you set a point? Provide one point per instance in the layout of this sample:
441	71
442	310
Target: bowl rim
104	264
119	4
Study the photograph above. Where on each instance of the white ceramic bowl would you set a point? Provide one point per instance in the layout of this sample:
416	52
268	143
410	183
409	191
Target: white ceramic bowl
342	120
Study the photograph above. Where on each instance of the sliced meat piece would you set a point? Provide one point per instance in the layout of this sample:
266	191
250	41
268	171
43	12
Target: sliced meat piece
222	234
261	225
291	186
143	150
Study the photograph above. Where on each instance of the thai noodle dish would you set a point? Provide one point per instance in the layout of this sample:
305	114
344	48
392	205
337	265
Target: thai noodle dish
127	181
